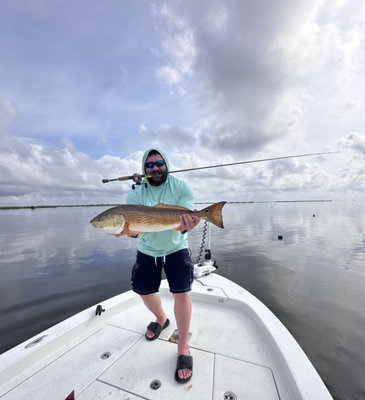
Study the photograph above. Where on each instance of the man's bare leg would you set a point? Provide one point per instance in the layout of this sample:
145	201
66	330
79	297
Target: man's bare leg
153	303
182	310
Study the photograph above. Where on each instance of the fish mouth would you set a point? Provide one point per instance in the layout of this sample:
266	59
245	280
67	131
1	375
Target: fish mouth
96	226
109	230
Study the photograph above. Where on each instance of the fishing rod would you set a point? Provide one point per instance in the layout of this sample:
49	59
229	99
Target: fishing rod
137	178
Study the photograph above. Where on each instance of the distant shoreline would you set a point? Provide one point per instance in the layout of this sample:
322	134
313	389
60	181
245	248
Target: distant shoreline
281	201
268	201
57	206
202	202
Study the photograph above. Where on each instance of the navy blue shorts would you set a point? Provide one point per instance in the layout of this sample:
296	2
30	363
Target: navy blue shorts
147	272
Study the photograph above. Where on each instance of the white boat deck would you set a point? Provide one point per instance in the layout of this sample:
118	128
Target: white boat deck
239	348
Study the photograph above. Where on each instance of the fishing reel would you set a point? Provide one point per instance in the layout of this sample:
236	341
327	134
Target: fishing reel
138	180
141	179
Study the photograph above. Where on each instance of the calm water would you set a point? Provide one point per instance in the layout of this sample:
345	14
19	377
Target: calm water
53	264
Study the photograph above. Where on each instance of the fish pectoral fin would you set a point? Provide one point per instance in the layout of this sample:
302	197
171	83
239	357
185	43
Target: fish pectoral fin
179	229
139	233
163	205
128	230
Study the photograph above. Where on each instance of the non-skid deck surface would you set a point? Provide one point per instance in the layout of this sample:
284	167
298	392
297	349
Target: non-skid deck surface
230	356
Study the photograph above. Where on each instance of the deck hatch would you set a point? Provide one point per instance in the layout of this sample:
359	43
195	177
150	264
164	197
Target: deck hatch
100	391
77	368
142	364
235	379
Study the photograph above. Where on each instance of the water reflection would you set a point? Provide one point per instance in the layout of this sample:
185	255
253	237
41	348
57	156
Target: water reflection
54	264
313	279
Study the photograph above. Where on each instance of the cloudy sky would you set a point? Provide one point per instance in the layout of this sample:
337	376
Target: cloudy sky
87	86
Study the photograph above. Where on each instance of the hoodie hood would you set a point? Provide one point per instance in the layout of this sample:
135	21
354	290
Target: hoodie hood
163	155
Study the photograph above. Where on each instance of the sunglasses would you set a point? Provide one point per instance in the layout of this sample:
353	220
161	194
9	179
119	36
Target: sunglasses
159	163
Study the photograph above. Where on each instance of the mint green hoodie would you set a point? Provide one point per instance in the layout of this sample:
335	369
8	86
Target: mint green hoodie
174	192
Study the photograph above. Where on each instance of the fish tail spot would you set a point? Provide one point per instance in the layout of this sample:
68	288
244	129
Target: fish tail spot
213	214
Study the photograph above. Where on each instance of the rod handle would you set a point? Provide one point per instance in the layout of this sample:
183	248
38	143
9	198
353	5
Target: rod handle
125	178
122	178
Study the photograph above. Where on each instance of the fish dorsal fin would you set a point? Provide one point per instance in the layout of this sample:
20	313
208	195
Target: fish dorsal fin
163	205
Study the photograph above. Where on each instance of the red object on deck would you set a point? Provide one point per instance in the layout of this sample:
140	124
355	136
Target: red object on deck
71	396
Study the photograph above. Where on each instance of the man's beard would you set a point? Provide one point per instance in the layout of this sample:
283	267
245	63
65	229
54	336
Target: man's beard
160	181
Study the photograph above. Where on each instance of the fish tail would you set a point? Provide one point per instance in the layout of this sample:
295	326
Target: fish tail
213	214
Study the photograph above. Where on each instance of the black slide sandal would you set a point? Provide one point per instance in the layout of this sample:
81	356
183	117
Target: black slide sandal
156	328
183	362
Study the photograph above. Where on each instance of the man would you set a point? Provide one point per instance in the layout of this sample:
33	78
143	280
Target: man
168	250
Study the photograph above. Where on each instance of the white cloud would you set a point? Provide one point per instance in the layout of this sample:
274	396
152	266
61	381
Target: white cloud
284	73
168	137
354	141
8	113
155	52
34	174
168	75
208	81
178	46
142	128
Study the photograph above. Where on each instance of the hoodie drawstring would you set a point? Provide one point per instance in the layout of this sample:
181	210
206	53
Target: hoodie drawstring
163	260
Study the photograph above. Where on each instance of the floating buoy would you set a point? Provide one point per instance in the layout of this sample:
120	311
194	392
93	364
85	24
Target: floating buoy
280	237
